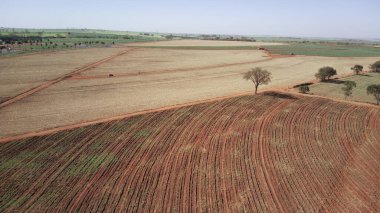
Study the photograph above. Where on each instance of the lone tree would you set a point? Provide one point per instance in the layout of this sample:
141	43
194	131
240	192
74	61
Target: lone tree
325	73
374	90
375	67
348	87
357	69
258	76
304	89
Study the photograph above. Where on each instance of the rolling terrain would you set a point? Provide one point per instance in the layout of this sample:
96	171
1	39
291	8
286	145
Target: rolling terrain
116	81
273	152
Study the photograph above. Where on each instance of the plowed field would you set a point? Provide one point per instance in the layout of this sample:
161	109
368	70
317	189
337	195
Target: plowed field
146	78
268	153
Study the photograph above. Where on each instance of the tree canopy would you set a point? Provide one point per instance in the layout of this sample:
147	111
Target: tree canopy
348	87
258	76
325	73
375	67
357	68
374	90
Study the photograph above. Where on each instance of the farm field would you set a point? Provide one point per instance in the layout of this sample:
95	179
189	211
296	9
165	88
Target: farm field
207	43
149	78
334	90
328	50
273	152
18	74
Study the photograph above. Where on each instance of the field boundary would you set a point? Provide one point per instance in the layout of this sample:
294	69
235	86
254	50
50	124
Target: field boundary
113	118
7	139
61	78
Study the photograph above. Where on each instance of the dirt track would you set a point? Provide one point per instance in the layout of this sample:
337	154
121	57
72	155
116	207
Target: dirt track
19	74
54	81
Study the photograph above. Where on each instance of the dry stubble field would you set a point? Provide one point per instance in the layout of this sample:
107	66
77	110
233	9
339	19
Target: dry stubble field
208	43
146	78
21	73
268	153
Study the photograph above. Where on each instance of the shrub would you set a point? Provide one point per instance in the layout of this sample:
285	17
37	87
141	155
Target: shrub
375	67
304	89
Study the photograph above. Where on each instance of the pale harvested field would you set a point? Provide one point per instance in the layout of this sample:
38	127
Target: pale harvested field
209	43
21	73
153	78
158	60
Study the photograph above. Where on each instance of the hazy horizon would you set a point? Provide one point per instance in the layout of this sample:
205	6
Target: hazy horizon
294	18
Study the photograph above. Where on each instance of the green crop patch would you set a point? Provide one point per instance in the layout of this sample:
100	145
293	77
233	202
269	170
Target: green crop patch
329	50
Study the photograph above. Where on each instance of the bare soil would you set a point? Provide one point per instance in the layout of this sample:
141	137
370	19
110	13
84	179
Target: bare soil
274	152
146	79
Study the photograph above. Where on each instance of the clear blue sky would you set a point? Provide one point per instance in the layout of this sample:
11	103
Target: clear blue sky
311	18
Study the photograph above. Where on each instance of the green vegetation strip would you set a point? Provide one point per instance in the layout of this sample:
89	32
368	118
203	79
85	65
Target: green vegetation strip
334	88
329	50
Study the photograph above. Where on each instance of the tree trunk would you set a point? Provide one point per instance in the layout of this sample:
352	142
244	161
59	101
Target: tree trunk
256	87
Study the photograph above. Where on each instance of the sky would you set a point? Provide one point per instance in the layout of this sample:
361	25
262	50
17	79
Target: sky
297	18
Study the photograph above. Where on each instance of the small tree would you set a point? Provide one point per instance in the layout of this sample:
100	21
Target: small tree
374	90
304	89
258	76
375	67
348	87
357	69
325	73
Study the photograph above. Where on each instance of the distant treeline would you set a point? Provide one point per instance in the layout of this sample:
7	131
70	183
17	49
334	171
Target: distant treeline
212	37
104	36
13	39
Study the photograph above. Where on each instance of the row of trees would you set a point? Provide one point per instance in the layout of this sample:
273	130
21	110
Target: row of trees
260	76
325	73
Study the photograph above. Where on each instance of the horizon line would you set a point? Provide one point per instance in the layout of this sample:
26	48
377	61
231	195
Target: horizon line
157	32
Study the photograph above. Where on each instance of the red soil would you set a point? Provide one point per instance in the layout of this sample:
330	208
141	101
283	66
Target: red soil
274	152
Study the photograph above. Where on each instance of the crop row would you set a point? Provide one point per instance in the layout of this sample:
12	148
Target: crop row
265	153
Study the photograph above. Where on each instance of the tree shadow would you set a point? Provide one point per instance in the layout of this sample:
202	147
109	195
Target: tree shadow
366	75
280	95
334	81
304	84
